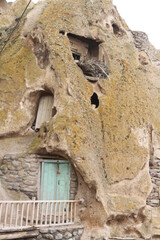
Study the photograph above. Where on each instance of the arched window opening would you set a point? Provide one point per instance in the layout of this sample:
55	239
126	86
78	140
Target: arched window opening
117	30
95	100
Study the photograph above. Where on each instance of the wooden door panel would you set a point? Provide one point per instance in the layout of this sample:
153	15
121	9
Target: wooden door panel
55	180
48	181
44	110
63	181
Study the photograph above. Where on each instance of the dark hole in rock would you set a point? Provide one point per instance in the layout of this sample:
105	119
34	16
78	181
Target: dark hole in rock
33	125
90	23
54	111
86	47
25	35
76	56
151	163
17	19
95	100
62	32
116	29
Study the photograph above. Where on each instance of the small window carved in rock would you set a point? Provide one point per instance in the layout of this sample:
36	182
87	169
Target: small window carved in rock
95	100
62	32
54	111
76	57
85	52
86	48
44	112
116	30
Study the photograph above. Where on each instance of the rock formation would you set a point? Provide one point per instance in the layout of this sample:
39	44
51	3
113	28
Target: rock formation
3	5
114	147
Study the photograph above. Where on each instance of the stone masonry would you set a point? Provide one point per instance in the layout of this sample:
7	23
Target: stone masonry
21	174
71	233
154	169
153	199
59	233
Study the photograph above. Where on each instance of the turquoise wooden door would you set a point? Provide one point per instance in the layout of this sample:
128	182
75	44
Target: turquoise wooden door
55	180
63	181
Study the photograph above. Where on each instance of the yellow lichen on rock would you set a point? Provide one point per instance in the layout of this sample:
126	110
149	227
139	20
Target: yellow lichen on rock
110	146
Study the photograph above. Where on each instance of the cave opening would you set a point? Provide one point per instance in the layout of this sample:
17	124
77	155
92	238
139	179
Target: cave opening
95	100
116	30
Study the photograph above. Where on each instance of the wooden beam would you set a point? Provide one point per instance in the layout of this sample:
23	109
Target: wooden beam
50	157
18	235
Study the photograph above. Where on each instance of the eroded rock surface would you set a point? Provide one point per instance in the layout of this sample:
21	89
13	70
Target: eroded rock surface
111	145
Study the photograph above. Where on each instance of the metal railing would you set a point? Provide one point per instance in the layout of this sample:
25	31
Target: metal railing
37	213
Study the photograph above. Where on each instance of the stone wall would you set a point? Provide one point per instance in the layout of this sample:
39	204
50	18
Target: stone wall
56	233
21	174
73	184
153	199
154	169
72	233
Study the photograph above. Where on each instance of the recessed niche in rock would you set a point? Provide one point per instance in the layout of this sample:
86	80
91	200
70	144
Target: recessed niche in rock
95	100
40	48
54	111
76	57
85	52
85	47
45	111
116	30
62	32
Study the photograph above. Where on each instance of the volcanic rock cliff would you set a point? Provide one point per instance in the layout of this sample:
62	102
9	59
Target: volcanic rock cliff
108	126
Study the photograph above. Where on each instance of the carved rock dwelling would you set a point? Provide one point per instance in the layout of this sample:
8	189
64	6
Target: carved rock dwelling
79	124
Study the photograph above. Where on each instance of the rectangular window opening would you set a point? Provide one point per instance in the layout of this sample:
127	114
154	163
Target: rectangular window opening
86	53
45	110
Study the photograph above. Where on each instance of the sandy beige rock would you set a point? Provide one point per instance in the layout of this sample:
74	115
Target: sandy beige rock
110	145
